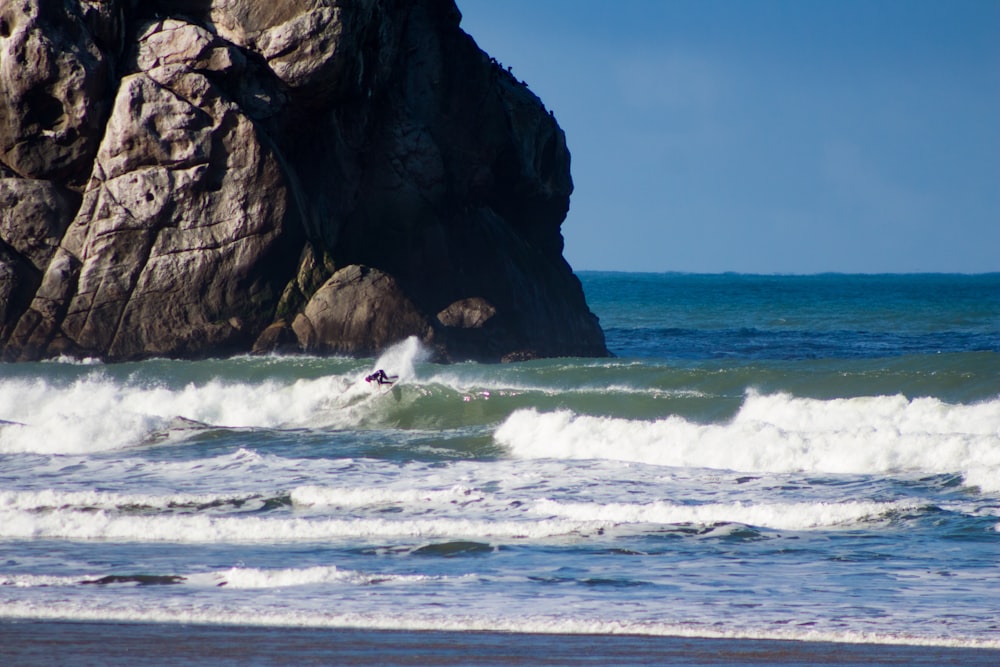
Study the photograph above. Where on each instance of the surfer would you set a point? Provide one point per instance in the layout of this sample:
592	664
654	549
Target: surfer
380	377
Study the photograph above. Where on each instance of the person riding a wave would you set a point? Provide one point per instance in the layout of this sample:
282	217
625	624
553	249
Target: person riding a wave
379	376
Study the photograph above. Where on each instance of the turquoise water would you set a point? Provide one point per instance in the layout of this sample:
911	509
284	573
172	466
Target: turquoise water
805	457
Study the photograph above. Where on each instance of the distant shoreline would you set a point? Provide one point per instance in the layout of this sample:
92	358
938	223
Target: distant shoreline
30	642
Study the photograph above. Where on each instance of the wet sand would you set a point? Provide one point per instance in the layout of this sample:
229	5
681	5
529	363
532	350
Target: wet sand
89	643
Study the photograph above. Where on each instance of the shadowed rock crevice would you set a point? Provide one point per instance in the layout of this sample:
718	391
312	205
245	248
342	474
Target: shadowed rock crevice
296	175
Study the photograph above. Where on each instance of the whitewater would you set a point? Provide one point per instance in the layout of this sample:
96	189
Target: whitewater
789	457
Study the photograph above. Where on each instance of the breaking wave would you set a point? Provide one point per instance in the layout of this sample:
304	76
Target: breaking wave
780	433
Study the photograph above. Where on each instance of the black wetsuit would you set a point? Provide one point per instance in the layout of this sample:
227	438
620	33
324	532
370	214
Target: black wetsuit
378	376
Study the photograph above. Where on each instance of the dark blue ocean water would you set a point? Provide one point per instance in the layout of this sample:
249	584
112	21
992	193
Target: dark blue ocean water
803	457
834	316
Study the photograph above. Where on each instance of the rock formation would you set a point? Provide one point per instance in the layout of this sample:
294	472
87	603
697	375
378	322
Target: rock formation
186	178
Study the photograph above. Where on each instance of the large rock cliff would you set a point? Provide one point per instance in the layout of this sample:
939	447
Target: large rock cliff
185	178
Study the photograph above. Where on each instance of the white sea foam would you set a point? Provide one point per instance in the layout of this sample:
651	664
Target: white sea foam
52	499
779	433
486	385
102	525
37	580
63	359
90	415
400	359
236	577
122	611
363	497
780	516
50	515
98	413
239	577
261	578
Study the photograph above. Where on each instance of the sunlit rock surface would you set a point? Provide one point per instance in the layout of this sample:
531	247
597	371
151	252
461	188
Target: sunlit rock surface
195	178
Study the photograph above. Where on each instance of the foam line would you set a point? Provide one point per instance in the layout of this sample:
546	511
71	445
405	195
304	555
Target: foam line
312	496
779	516
237	577
52	499
779	434
221	615
102	525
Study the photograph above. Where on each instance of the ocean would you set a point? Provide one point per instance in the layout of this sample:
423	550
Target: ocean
811	458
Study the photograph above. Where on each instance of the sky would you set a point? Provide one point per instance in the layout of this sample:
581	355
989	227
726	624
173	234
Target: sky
767	136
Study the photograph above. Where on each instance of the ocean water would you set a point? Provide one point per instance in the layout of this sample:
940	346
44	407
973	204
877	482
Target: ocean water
793	457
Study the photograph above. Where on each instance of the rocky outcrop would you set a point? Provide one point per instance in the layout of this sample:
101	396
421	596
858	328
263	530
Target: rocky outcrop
183	179
56	62
358	312
34	215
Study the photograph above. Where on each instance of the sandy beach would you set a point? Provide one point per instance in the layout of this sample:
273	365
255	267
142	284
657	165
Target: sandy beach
89	643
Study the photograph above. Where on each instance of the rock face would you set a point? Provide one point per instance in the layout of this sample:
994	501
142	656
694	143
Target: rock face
190	178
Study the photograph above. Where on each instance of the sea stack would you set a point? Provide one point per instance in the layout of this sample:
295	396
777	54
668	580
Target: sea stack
190	179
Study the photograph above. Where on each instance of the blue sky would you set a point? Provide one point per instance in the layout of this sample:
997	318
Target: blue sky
767	136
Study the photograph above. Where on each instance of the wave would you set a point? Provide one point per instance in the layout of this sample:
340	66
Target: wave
57	408
301	496
98	414
83	516
49	499
256	616
240	577
103	525
97	410
236	577
779	433
778	516
312	496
